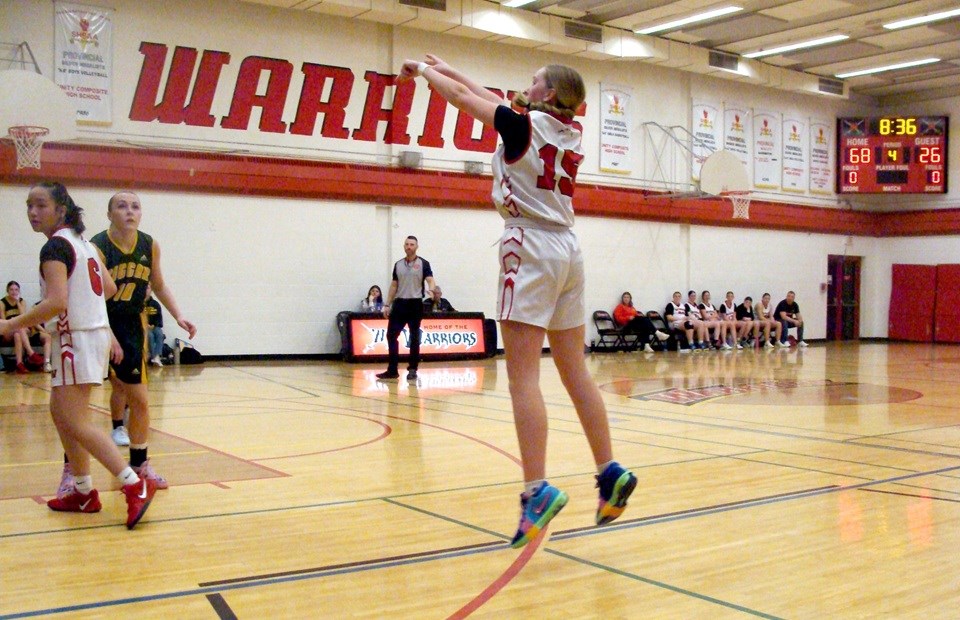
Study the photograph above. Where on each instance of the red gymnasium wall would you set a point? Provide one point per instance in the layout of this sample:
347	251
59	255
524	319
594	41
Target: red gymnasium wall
119	167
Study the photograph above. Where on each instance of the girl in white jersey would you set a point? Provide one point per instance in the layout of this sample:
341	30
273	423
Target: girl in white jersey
541	273
74	283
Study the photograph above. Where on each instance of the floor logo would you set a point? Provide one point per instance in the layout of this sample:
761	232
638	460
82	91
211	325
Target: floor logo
692	396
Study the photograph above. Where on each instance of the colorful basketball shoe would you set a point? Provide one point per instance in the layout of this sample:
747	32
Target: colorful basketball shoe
74	501
615	484
536	511
146	471
67	482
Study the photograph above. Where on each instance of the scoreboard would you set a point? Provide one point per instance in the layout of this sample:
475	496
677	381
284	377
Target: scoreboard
892	154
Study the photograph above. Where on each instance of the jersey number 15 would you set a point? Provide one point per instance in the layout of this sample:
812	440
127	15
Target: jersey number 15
569	163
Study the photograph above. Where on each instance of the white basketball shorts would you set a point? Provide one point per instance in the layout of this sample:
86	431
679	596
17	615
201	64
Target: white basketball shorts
80	357
541	278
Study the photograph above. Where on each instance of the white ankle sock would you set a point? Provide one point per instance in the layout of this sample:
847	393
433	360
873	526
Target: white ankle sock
603	467
530	488
128	476
84	484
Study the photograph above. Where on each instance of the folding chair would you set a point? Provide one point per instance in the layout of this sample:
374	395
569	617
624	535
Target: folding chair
611	337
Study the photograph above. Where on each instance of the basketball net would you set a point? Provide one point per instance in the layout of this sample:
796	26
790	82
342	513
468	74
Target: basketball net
741	204
28	140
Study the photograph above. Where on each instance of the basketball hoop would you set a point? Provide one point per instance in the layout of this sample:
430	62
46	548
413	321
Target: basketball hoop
28	140
741	204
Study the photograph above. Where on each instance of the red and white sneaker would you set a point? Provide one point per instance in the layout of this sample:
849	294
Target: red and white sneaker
138	497
146	471
74	501
67	482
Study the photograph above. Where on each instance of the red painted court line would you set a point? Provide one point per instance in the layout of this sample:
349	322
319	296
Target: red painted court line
387	430
506	577
38	499
464	435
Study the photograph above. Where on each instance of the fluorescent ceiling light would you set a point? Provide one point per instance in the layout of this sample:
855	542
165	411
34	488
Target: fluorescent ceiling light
515	3
797	46
901	65
926	19
699	17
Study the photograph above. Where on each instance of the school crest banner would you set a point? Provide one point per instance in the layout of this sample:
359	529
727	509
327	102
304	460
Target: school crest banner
796	163
615	129
821	157
83	60
706	135
766	149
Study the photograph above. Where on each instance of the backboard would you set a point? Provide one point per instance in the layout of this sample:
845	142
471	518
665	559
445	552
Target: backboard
28	98
723	172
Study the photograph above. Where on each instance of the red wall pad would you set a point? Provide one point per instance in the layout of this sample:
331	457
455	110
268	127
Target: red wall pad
946	326
912	297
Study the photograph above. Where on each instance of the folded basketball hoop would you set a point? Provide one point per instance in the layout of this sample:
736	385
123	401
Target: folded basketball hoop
741	204
28	140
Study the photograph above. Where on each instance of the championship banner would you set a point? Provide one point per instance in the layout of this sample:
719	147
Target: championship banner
615	129
441	336
706	135
737	133
795	155
766	150
83	60
821	158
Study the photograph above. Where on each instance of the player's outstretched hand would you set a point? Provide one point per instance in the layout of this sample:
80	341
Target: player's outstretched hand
188	327
436	62
409	70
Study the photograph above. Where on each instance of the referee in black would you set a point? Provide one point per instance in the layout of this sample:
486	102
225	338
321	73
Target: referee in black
404	307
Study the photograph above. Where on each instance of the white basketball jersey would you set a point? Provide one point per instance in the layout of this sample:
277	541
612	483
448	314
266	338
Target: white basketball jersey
679	312
86	305
729	312
539	185
693	311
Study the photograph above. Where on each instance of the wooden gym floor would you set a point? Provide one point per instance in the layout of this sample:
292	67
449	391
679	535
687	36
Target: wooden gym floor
822	483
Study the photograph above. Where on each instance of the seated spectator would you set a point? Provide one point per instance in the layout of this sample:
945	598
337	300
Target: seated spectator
436	302
676	315
707	314
735	327
13	305
763	314
788	313
626	317
745	318
373	302
154	328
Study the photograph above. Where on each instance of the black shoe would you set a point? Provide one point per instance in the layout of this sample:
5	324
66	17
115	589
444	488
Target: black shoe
411	375
388	374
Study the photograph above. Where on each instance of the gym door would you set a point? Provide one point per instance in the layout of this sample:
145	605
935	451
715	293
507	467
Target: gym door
843	297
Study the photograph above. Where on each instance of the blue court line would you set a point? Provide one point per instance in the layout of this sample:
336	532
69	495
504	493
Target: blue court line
453	554
660	584
748	504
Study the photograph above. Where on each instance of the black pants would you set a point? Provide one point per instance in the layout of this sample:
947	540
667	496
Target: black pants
786	326
642	326
404	313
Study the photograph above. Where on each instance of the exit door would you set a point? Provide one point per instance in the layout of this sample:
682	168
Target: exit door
843	297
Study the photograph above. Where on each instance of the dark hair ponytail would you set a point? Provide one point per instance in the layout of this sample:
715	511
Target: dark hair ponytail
74	214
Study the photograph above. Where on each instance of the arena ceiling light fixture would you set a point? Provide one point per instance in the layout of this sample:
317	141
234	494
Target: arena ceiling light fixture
693	19
518	3
899	65
925	19
797	46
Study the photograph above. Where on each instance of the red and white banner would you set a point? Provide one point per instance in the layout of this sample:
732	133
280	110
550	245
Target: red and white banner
737	134
83	60
615	129
446	336
822	169
796	161
706	135
766	150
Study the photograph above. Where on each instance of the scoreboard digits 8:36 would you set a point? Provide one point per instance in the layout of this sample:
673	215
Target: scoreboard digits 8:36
892	154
